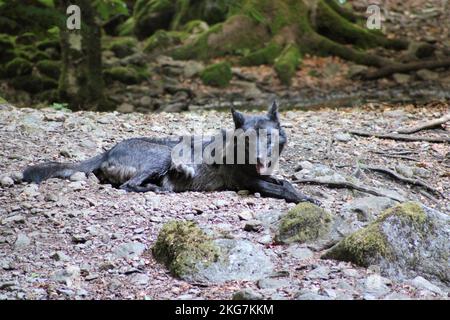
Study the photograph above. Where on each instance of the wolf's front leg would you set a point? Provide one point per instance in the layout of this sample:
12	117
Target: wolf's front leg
280	189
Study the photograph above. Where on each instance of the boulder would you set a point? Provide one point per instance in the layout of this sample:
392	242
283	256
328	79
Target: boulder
407	240
306	222
190	254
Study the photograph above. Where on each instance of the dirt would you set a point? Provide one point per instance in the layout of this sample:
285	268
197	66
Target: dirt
88	221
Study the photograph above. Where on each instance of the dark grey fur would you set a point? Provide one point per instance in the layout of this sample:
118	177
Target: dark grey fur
145	164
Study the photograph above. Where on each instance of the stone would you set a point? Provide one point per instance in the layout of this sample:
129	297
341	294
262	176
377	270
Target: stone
78	176
140	279
192	255
366	209
427	75
129	250
246	215
321	272
272	283
253	225
309	295
342	137
422	283
125	108
247	294
68	276
6	181
22	241
404	170
387	243
193	68
376	285
356	70
299	253
401	78
306	222
60	256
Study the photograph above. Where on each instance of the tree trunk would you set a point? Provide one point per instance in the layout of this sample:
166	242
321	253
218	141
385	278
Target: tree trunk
81	81
279	32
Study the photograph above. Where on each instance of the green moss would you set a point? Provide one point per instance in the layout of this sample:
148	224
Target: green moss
265	55
122	47
305	222
152	15
126	28
33	83
195	26
183	246
217	75
6	48
3	101
162	40
409	212
287	63
49	43
125	75
18	67
368	245
49	68
26	38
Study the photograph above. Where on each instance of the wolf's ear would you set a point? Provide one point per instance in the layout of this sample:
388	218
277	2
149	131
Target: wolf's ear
273	112
238	118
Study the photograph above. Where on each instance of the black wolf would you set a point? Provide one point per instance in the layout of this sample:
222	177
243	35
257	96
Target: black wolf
147	164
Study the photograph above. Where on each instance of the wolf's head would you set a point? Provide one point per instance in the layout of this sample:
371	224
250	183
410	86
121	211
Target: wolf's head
263	137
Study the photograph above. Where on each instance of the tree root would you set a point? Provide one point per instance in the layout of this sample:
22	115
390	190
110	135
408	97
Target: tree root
336	27
416	182
426	125
406	67
400	137
349	185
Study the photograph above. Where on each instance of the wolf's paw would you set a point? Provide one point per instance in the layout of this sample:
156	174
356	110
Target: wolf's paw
185	169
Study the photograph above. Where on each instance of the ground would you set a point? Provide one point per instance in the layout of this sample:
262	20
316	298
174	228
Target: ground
69	232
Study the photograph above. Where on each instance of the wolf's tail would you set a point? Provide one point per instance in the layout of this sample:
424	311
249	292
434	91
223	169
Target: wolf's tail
44	171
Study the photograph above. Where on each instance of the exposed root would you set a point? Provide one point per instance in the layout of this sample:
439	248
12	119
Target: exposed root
401	137
426	125
415	182
349	185
406	67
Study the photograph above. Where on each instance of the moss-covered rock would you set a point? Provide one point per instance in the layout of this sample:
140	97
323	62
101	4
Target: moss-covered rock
407	239
33	83
26	38
287	63
49	68
127	75
152	15
162	40
305	222
183	247
18	67
6	48
123	47
217	75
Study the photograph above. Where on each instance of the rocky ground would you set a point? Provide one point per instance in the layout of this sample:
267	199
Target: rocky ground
82	240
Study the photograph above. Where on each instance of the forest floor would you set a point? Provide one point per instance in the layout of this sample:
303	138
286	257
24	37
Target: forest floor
62	239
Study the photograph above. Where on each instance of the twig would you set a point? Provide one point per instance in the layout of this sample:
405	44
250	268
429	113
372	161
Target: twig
401	137
426	125
416	182
349	185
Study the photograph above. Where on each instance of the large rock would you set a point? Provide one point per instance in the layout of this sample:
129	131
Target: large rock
305	222
405	241
192	255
